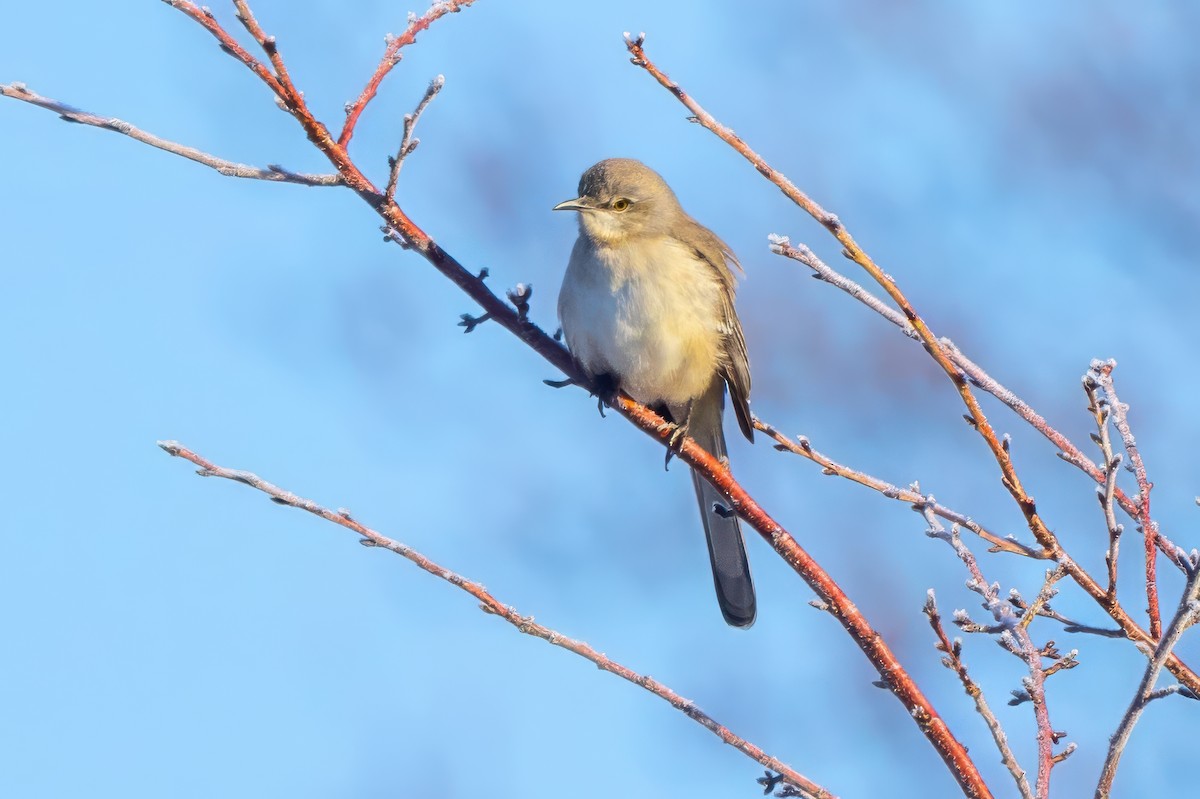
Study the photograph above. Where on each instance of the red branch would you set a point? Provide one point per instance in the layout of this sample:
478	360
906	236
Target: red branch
391	57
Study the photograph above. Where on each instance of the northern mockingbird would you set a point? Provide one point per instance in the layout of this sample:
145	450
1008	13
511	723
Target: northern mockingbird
646	306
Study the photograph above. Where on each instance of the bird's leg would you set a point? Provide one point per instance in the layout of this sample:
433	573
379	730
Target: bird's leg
604	390
675	441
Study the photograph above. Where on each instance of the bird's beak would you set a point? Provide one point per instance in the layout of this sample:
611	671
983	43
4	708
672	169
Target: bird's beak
578	204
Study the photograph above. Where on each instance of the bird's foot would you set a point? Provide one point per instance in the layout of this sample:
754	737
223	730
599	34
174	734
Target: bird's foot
604	389
675	444
560	383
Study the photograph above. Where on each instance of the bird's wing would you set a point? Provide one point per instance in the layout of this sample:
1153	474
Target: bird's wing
735	364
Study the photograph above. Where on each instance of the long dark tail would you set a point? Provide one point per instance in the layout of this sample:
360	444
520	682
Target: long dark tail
726	549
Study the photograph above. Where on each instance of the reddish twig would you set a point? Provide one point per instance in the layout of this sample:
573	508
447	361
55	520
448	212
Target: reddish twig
1101	373
267	43
936	349
953	661
1187	614
489	604
802	447
229	45
391	57
273	172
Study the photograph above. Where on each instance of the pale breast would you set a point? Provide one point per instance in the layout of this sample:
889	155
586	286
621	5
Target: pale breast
648	313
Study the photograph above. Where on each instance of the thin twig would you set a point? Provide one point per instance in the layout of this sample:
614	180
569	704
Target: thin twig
803	447
1185	616
954	662
1101	411
937	349
1013	636
1101	372
391	57
407	142
489	604
230	45
278	174
267	43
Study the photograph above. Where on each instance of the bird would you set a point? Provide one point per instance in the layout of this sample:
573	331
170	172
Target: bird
647	307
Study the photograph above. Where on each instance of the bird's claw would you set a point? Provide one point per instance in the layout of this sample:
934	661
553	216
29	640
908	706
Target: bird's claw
604	389
675	444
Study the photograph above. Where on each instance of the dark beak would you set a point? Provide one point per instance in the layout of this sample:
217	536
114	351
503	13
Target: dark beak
578	204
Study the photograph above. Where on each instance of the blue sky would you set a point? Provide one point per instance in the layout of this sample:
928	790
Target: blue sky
1028	172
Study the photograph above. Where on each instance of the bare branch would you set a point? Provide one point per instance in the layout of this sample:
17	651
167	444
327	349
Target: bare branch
954	662
1101	411
392	56
1014	637
407	142
267	43
802	447
230	46
489	604
1101	373
1185	616
278	174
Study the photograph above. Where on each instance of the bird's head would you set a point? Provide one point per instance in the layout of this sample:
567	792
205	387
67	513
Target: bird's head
620	199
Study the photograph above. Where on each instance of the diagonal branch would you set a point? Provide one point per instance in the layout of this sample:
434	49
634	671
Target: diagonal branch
780	245
953	661
229	45
1186	615
391	57
804	449
489	604
940	352
1014	637
273	172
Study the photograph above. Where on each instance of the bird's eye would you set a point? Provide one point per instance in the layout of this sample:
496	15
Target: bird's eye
620	204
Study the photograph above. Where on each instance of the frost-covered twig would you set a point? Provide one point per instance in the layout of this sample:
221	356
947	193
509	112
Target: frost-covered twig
1101	373
953	661
407	142
1013	635
912	495
273	172
1185	616
489	604
391	57
1067	450
1101	411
